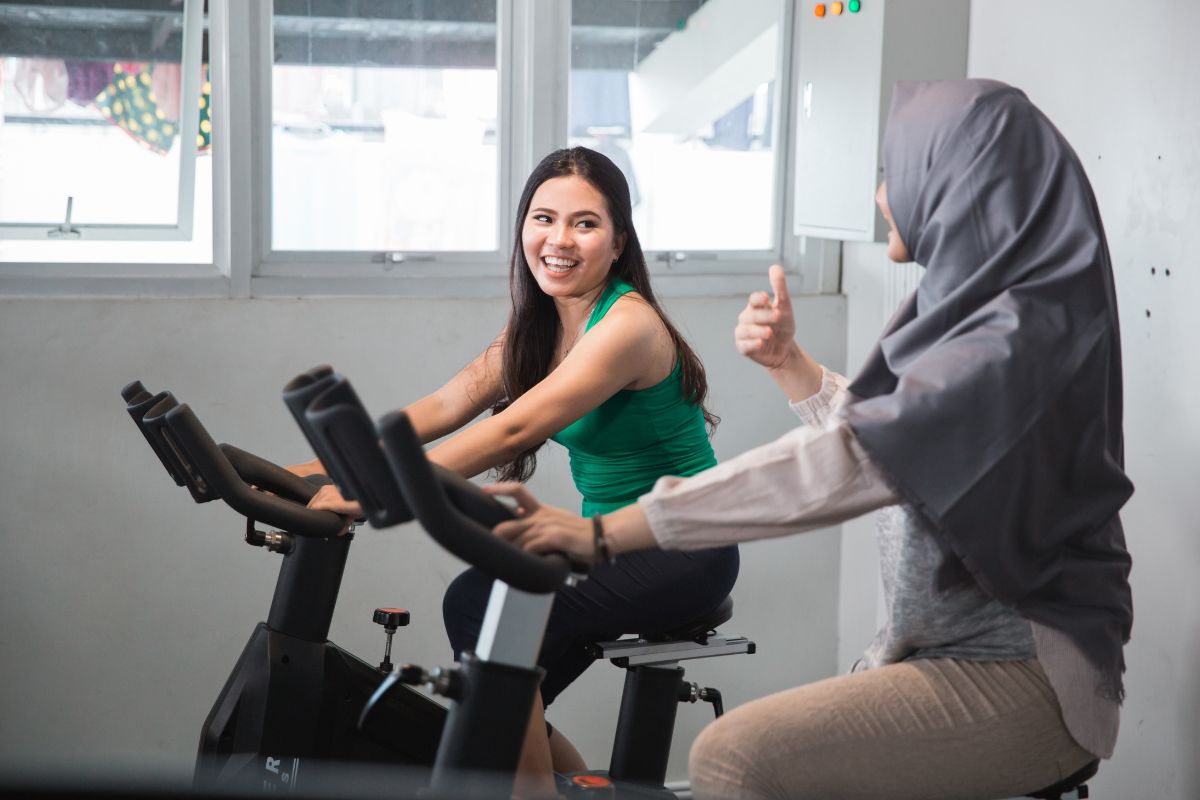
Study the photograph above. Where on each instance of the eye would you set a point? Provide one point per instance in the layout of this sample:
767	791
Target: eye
540	217
587	223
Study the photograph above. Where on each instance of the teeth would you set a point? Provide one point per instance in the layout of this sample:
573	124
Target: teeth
563	264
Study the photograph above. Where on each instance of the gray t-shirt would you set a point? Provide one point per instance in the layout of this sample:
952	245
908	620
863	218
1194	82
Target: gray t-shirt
922	622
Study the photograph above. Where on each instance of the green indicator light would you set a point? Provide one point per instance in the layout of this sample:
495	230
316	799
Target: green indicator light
855	6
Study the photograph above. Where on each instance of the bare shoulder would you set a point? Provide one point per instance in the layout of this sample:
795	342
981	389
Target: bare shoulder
647	337
635	317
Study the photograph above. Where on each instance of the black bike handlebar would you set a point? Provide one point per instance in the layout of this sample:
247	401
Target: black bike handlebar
147	411
398	482
337	424
460	516
210	471
236	492
298	393
259	472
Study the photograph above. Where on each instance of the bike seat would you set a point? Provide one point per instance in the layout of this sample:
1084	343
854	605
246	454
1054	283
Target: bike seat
698	628
1068	784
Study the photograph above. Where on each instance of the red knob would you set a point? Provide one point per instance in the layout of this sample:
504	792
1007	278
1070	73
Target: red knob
391	617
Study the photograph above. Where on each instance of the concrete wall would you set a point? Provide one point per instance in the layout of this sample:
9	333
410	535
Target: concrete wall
1120	81
123	605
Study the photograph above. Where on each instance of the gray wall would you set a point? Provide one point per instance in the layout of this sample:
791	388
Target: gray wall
1120	81
123	605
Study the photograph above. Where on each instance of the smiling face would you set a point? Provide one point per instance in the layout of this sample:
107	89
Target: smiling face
896	249
568	237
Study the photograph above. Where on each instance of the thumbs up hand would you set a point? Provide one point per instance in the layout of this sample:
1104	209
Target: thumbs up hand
765	333
766	329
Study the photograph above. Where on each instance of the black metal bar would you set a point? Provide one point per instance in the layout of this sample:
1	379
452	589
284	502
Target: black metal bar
481	743
646	723
307	589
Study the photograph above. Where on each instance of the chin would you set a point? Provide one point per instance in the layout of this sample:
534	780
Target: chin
896	251
552	286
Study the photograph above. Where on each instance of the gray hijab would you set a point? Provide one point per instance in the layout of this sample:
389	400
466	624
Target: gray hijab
993	399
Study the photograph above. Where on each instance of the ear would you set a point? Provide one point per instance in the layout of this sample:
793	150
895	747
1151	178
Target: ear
619	245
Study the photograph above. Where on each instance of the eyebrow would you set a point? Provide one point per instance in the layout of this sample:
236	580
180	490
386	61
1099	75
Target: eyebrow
584	213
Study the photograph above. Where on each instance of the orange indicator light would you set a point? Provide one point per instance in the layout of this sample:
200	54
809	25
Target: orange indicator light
819	10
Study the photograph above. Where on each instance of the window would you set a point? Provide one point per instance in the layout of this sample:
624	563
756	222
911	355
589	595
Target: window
376	145
384	131
683	96
97	141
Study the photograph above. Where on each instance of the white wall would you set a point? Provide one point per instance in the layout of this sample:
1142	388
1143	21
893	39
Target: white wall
123	605
1120	82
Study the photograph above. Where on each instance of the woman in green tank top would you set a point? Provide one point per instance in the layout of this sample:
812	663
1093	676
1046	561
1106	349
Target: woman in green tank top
589	359
620	448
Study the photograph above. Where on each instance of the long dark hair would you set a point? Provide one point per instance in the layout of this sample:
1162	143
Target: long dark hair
533	323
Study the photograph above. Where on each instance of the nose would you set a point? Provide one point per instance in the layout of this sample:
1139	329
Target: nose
560	235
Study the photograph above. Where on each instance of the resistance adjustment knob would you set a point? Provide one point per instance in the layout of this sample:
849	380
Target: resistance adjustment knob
390	619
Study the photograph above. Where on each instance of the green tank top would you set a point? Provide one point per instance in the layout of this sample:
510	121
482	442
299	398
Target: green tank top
621	447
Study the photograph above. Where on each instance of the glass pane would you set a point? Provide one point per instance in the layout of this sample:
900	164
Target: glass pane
384	126
197	250
90	110
681	95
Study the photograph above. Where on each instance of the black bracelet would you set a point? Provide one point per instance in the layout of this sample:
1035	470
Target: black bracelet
599	543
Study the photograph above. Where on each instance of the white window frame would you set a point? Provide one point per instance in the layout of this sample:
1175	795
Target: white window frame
533	57
193	31
288	272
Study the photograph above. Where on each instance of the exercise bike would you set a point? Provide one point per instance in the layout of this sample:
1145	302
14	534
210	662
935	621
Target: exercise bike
291	706
384	465
293	697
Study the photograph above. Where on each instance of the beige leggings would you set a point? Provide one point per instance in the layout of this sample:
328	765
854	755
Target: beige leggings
927	729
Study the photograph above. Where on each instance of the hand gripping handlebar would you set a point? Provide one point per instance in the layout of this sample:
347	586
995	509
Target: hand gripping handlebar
396	483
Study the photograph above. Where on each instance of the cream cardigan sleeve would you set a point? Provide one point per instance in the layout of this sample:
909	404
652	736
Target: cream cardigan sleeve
811	477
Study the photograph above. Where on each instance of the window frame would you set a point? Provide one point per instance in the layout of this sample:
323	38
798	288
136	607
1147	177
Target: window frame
352	265
190	72
533	59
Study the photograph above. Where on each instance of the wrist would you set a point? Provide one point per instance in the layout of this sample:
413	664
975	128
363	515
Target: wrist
602	544
792	358
797	374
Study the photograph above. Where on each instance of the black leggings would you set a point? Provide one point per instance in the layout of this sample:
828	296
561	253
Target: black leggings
645	591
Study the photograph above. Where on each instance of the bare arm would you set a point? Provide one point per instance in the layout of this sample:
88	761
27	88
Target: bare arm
615	353
468	394
457	402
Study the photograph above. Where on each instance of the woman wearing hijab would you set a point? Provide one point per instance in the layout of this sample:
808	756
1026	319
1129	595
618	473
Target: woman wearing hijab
987	426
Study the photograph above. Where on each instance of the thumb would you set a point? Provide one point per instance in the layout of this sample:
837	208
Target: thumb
779	286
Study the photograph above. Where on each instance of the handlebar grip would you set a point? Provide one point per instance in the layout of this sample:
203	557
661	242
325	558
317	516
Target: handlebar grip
220	473
298	393
153	423
259	472
338	423
138	401
427	494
